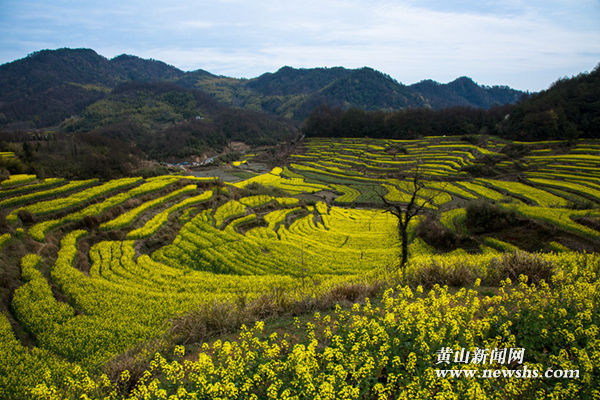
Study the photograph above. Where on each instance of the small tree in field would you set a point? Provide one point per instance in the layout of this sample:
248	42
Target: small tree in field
420	198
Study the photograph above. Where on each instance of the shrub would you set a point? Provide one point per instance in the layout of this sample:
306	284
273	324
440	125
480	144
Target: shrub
476	140
351	292
483	217
512	265
396	149
219	317
26	217
580	204
90	222
515	150
255	189
435	234
212	319
434	272
480	170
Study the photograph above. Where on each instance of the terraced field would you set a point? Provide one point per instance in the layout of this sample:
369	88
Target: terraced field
559	187
100	267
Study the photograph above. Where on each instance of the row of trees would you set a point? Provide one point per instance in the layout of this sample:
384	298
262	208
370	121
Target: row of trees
403	124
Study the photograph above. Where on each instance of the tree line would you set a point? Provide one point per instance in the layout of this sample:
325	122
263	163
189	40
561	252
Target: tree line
569	109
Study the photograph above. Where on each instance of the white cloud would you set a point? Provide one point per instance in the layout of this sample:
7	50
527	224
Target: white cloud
406	42
527	44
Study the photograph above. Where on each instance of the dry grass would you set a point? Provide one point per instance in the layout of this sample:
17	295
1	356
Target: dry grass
435	273
509	265
512	265
219	317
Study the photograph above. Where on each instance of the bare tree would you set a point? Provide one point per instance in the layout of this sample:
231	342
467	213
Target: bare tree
420	199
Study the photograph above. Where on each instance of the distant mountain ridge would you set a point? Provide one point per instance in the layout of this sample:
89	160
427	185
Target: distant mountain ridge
294	93
464	92
47	69
49	86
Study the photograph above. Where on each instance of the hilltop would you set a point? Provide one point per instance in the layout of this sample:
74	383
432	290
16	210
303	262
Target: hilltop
569	109
294	93
49	86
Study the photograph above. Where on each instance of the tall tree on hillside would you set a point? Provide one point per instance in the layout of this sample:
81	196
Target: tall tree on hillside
420	198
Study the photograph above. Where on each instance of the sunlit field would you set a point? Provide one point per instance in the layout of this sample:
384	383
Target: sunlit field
100	276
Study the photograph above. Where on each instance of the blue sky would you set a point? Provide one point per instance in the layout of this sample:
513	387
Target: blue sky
524	44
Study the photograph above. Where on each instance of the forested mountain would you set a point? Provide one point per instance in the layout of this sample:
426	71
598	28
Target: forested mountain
123	110
569	109
136	122
164	120
464	92
368	89
294	93
48	69
50	86
291	81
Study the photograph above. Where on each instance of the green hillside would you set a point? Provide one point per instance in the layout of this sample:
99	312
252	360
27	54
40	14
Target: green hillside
100	276
294	93
568	110
337	235
49	86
